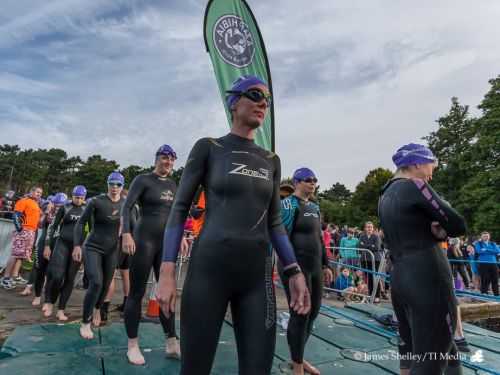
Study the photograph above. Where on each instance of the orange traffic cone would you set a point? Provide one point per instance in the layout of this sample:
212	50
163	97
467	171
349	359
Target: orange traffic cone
153	306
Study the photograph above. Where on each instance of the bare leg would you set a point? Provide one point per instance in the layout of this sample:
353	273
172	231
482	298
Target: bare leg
125	281
172	348
96	318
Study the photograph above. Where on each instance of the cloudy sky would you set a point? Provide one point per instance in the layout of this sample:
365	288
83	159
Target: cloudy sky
352	79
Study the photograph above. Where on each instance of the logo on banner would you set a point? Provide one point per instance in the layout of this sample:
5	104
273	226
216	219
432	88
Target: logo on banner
234	41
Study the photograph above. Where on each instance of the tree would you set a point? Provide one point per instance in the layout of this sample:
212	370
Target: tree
364	201
451	143
93	173
337	193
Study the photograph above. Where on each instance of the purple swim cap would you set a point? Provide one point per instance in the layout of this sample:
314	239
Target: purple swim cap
116	178
60	199
301	174
242	84
166	150
413	154
79	191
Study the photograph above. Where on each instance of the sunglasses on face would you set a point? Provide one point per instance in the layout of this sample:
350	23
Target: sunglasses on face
310	179
115	184
254	95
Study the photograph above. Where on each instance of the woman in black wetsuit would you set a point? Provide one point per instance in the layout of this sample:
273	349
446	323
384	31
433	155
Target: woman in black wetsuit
414	219
231	262
302	220
154	193
100	250
62	269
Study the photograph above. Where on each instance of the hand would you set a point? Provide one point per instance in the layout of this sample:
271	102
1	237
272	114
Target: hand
438	231
166	292
77	254
327	276
184	247
470	249
300	300
128	244
46	252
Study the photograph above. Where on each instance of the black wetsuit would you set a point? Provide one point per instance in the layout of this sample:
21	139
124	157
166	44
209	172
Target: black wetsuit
100	250
154	195
231	262
40	265
303	223
62	268
421	279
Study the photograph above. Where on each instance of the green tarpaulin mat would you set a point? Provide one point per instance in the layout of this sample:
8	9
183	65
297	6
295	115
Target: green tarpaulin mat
52	364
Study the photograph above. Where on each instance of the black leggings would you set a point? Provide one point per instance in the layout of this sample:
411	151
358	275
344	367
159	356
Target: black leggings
427	316
40	265
489	275
368	265
141	263
61	274
460	269
300	326
100	269
215	279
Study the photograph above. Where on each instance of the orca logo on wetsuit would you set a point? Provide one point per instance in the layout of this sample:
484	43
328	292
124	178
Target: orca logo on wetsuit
74	217
167	196
244	171
234	41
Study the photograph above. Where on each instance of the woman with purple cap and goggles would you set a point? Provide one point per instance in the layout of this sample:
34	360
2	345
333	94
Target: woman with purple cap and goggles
231	262
302	220
100	251
154	193
62	269
415	219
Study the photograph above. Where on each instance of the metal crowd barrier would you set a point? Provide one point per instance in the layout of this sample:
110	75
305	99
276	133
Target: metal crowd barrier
6	231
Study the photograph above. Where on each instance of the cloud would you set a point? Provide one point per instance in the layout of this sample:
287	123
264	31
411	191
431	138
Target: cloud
353	80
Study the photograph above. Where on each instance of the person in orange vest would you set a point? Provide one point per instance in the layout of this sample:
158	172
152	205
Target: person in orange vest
198	214
27	215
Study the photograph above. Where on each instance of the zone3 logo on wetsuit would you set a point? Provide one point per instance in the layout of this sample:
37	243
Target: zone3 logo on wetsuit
243	170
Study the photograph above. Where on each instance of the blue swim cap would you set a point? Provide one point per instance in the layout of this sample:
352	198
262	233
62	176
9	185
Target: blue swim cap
60	199
79	191
413	154
166	150
301	174
242	84
116	178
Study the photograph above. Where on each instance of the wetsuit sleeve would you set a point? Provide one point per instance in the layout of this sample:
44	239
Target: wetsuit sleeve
135	191
53	226
288	212
78	232
279	237
192	177
439	210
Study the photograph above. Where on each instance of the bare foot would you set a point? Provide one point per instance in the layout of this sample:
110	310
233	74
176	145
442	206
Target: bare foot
96	318
173	349
26	291
135	356
297	368
61	316
47	309
310	369
86	331
36	301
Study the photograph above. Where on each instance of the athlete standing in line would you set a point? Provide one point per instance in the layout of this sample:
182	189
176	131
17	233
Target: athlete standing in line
100	250
154	193
232	261
302	220
62	269
415	219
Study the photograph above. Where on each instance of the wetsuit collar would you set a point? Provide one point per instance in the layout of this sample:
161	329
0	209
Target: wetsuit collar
241	140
